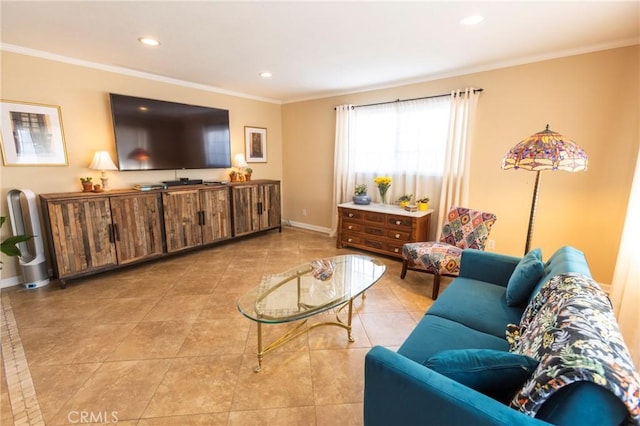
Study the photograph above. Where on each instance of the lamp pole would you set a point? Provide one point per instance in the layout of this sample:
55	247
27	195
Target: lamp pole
532	215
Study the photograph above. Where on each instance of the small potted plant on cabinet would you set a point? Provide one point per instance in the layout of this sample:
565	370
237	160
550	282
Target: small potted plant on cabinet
404	200
87	184
360	195
247	173
233	176
423	204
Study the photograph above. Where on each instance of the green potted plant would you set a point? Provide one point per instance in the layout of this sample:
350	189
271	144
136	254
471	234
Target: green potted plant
87	184
9	246
423	203
360	195
405	199
247	173
233	176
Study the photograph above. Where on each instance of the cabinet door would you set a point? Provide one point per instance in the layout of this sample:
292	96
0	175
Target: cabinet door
137	226
269	207
215	214
81	235
182	219
245	209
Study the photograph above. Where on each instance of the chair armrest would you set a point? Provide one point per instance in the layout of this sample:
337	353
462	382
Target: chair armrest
486	266
399	391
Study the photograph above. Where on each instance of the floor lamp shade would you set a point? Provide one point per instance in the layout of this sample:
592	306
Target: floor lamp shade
545	150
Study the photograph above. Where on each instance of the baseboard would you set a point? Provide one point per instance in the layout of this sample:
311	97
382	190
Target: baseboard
10	282
309	227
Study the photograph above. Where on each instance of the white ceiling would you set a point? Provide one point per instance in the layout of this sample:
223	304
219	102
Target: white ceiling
313	49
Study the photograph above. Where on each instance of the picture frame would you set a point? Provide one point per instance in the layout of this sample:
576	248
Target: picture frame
32	134
255	139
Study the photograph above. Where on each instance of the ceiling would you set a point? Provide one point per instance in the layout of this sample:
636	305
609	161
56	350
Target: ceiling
313	49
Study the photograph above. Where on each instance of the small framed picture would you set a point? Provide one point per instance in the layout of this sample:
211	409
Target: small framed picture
255	139
32	135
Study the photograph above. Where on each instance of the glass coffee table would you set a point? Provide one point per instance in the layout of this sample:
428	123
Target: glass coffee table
307	290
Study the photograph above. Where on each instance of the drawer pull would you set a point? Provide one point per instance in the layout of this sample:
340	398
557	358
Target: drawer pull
350	227
398	222
397	235
397	250
350	214
349	240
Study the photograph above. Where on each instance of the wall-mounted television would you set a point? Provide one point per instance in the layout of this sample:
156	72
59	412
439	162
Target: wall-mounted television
160	135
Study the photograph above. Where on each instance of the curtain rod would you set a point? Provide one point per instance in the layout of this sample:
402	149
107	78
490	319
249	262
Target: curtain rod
412	99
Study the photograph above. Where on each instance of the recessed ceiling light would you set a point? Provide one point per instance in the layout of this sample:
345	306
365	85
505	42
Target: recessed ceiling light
266	74
149	41
472	20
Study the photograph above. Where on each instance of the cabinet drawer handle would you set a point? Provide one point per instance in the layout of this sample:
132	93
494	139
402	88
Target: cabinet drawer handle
397	250
350	214
349	240
398	222
397	235
350	227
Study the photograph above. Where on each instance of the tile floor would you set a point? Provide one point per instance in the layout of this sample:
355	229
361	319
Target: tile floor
162	343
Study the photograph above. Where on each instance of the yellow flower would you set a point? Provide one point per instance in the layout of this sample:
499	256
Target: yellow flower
382	181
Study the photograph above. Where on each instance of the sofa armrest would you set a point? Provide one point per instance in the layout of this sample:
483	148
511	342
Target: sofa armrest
400	391
489	267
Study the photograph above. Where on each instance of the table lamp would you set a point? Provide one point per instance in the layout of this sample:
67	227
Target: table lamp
545	150
239	162
102	161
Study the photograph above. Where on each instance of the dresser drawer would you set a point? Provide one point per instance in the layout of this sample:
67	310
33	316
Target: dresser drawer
351	226
396	249
373	217
351	239
399	221
352	214
376	244
375	230
399	234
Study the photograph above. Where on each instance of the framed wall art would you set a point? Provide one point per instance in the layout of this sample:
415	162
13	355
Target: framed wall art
32	135
255	139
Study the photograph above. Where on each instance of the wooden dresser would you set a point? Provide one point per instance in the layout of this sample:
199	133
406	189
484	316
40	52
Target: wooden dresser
381	228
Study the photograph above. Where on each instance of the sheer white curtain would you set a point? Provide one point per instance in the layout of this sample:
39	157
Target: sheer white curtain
625	291
455	184
403	140
343	180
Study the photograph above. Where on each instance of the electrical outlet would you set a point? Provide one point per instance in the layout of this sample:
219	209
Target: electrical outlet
304	212
491	244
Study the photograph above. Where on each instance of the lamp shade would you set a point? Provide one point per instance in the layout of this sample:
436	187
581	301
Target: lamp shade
239	161
546	150
102	161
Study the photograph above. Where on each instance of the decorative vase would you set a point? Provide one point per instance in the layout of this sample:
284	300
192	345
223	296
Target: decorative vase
363	199
383	194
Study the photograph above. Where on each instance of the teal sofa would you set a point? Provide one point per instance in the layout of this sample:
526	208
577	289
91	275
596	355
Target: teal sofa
473	313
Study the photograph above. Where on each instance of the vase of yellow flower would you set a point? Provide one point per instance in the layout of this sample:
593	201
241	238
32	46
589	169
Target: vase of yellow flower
383	183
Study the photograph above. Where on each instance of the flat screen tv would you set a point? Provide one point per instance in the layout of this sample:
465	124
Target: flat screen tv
160	135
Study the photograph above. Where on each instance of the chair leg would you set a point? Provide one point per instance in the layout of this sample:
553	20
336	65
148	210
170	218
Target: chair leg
404	269
436	286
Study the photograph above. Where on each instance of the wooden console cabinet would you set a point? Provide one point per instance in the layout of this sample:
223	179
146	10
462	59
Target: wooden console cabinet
94	232
381	228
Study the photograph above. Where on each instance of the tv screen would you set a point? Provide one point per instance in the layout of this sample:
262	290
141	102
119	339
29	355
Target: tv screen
160	135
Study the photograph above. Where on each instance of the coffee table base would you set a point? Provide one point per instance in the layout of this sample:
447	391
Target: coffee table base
301	328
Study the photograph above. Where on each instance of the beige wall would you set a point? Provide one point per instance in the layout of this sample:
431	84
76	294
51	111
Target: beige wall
591	98
82	94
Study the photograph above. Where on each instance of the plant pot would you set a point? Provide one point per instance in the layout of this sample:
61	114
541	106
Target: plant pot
247	177
363	199
423	206
87	186
404	204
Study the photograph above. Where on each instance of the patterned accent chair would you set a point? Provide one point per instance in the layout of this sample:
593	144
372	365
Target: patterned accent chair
464	228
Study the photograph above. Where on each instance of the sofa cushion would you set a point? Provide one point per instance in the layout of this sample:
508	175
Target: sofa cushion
565	259
524	278
434	334
478	305
485	370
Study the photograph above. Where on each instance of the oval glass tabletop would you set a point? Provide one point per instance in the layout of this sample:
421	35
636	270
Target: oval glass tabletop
311	288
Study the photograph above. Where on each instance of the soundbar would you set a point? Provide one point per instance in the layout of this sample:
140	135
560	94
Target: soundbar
182	182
